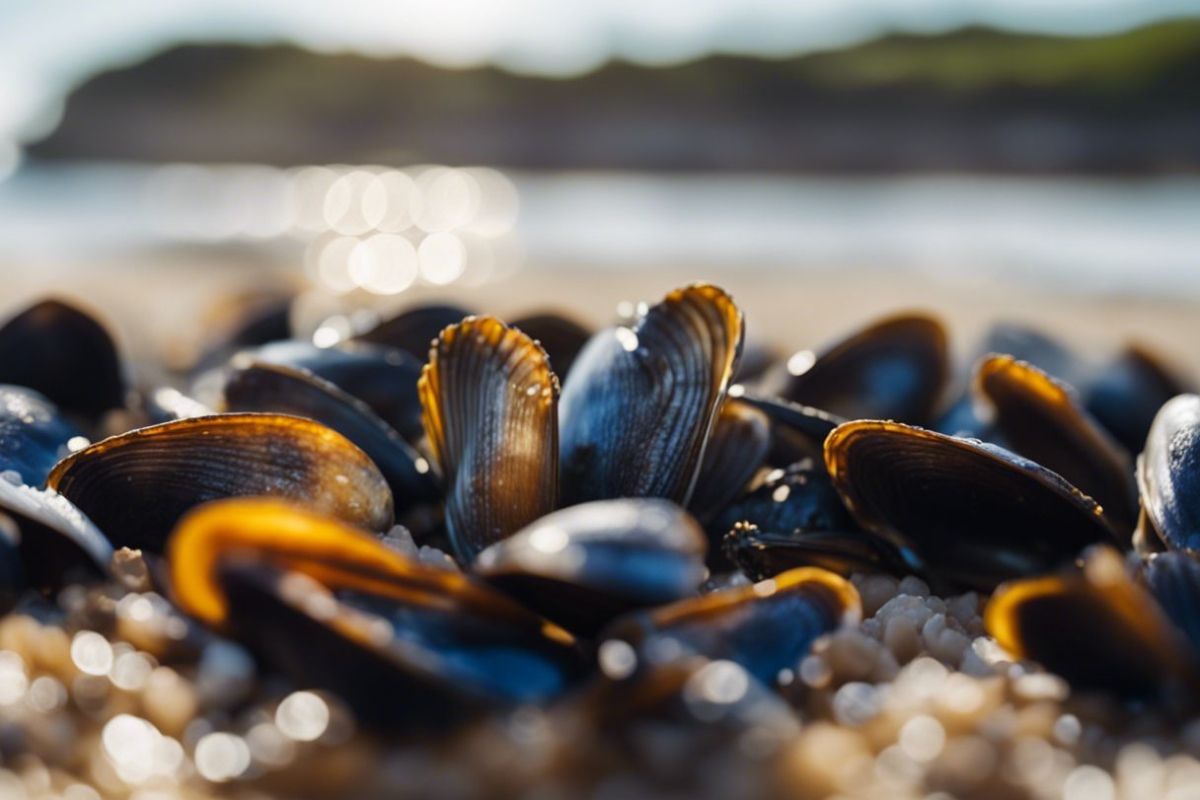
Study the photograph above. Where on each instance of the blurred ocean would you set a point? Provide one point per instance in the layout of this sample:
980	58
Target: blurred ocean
1140	237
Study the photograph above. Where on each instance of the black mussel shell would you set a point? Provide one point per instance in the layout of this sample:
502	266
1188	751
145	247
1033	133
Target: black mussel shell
894	369
763	554
12	569
974	513
1096	627
382	377
56	542
65	354
738	446
33	435
259	386
490	405
797	432
413	330
1169	476
561	337
1034	347
405	645
797	499
640	402
1040	418
241	321
1127	393
136	486
765	627
585	565
1174	580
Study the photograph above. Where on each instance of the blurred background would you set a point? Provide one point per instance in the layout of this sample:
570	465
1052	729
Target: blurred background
826	161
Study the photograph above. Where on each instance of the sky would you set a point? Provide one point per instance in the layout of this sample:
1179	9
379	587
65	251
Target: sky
49	46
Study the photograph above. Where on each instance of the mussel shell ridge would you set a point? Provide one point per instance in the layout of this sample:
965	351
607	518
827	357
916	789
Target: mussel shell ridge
136	486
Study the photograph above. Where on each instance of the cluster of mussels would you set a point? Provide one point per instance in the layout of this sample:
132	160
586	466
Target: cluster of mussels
453	556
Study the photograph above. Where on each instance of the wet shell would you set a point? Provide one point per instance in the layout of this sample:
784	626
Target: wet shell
764	554
33	435
585	565
404	644
1128	392
1094	626
490	404
1040	418
1174	580
414	329
1169	475
641	401
894	369
257	386
65	354
974	513
561	337
382	377
136	486
740	441
797	432
765	627
56	542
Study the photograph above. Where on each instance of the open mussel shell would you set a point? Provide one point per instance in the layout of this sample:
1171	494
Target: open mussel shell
1169	476
765	627
136	486
382	377
258	386
1040	418
57	543
561	337
65	354
763	554
585	565
638	407
894	369
974	513
490	406
738	446
33	434
412	330
1128	391
1096	627
404	644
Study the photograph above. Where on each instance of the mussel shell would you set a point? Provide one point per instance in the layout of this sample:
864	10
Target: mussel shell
893	369
1128	392
65	354
258	386
12	572
585	565
413	329
1034	347
382	377
797	432
1094	626
58	544
765	627
740	441
136	486
1174	580
33	435
1040	418
640	402
974	513
798	499
763	554
1169	475
490	405
561	337
404	644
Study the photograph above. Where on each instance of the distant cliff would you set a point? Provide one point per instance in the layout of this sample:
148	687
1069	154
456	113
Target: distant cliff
968	100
